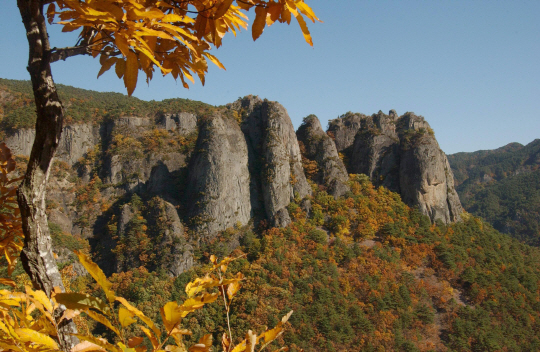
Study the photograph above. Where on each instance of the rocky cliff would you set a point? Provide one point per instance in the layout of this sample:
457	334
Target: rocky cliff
218	186
319	147
144	188
402	154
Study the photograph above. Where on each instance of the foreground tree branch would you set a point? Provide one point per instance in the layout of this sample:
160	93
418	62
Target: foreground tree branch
58	54
37	257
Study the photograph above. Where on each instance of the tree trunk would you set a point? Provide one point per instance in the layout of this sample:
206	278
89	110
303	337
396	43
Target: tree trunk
37	257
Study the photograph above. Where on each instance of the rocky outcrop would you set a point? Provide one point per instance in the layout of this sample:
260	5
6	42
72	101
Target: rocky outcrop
343	130
402	154
176	254
183	122
126	163
20	142
218	187
275	158
319	147
426	179
76	141
375	151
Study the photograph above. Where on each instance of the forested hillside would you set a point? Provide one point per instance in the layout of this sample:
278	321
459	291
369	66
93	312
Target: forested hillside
503	187
363	272
17	107
152	198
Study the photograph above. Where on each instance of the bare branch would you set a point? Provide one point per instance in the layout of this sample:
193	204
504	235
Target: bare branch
63	53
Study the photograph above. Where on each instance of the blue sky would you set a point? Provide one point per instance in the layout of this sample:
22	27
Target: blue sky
471	68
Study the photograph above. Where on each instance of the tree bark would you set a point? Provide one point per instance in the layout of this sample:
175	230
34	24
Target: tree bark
37	257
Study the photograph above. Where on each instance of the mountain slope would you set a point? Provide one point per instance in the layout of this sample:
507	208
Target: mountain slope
151	197
503	187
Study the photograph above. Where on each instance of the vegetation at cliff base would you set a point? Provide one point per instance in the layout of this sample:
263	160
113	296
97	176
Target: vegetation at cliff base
363	272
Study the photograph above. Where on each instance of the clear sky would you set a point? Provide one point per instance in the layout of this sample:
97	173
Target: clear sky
471	68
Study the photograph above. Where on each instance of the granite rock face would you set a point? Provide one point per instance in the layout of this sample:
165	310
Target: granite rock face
426	179
375	151
275	158
320	148
401	154
183	122
218	186
75	142
344	130
247	164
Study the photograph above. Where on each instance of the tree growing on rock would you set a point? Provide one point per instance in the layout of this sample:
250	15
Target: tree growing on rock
172	36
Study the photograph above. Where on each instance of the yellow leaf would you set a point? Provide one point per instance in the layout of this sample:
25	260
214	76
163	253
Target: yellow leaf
170	315
232	289
132	72
151	337
86	346
120	68
81	301
223	8
285	15
97	341
29	335
111	8
305	30
135	341
204	345
173	348
152	13
51	12
107	65
286	317
214	60
259	23
273	13
7	282
200	26
177	18
270	335
125	317
103	320
97	273
225	342
199	284
139	314
121	43
69	314
306	10
125	348
192	304
41	297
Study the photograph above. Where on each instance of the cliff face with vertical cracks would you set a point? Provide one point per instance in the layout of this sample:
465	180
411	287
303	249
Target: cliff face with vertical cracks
218	186
151	190
402	154
275	159
320	148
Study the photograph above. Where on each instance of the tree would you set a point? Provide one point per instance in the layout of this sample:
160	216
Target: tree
172	35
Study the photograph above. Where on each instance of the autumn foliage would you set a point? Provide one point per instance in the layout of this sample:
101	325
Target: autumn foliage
172	36
30	319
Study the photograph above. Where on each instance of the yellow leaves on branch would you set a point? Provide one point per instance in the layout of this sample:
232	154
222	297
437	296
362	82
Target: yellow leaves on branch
11	236
174	36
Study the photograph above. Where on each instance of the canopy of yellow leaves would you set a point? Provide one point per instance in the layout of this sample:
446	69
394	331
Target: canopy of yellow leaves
173	35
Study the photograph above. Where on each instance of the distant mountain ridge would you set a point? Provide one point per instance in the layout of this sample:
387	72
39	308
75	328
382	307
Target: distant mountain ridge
503	187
